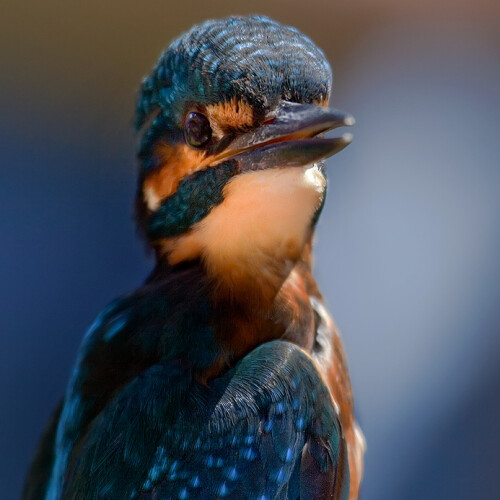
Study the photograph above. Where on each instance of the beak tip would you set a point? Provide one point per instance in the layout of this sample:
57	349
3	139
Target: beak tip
349	121
348	138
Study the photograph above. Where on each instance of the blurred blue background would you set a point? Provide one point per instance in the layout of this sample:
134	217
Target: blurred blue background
407	248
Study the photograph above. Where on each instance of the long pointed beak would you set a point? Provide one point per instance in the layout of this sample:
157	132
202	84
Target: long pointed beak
289	138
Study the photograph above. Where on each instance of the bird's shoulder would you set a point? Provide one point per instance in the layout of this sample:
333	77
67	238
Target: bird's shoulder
266	429
130	336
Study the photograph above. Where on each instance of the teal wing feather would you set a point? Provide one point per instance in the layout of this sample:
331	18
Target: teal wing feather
265	430
43	461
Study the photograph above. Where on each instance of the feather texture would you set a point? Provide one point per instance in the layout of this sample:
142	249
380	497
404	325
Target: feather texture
266	429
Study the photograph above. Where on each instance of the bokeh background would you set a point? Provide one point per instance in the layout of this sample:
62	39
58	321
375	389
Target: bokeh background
407	250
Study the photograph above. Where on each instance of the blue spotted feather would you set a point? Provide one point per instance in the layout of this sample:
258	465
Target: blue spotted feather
265	430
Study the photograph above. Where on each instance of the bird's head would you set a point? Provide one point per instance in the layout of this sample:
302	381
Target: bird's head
230	150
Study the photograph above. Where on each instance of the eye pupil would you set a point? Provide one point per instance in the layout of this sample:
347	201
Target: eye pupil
197	129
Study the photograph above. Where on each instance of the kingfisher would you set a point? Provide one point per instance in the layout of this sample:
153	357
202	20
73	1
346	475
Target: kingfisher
223	376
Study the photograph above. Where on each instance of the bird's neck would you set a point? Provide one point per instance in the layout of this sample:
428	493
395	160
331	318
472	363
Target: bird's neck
254	250
278	308
244	318
250	243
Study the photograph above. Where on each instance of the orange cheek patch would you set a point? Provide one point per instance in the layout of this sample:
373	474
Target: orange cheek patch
231	114
181	160
177	162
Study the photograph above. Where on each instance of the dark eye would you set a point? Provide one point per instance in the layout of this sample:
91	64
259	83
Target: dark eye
197	130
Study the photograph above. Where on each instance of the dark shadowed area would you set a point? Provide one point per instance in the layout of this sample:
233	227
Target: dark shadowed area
407	247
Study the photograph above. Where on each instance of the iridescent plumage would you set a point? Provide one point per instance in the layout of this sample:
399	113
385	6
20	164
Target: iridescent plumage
223	376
